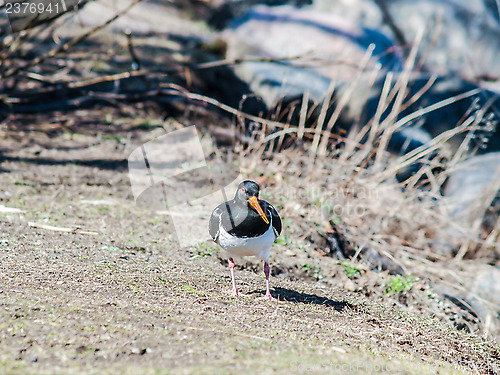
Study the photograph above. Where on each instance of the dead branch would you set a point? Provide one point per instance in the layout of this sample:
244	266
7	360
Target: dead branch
66	46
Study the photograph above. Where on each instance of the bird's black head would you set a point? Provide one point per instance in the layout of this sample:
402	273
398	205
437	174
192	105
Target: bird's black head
248	194
246	190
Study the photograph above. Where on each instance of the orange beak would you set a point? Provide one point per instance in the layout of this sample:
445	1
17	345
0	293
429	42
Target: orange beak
255	204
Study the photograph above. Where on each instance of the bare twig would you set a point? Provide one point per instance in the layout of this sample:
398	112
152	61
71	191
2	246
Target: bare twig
303	116
321	119
62	229
344	100
426	149
389	124
390	21
68	45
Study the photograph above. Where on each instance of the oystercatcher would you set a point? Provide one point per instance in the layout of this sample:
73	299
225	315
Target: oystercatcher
246	226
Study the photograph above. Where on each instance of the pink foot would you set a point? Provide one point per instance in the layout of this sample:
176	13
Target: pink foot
234	291
268	295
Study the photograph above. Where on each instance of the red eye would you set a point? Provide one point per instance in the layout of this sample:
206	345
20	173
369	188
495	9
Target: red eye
243	189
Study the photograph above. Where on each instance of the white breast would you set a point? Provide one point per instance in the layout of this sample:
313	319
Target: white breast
248	246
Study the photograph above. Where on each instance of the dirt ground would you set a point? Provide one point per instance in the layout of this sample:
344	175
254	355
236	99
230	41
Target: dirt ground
126	299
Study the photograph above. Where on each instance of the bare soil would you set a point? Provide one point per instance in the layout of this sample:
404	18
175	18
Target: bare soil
126	299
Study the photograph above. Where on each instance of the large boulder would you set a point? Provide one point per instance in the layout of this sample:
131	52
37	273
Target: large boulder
307	49
471	186
475	288
462	37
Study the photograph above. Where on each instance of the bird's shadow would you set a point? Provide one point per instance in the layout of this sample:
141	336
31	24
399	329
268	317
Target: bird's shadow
284	294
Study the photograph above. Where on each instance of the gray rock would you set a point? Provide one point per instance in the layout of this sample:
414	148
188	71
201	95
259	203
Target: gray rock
469	196
485	285
480	291
314	47
223	15
273	81
145	18
469	40
469	182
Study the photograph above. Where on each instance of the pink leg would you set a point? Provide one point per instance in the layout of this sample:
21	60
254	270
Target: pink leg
231	267
268	292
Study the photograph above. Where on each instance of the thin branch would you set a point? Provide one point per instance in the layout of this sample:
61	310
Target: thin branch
67	45
61	229
398	34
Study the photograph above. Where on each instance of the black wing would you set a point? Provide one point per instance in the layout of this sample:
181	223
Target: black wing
276	220
214	223
274	215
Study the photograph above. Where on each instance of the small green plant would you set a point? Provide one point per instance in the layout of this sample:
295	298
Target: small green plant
337	220
350	269
202	250
192	290
282	240
308	268
148	124
398	284
189	288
